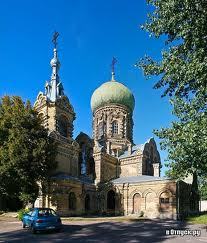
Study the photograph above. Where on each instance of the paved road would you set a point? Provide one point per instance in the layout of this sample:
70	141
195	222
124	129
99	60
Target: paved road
100	231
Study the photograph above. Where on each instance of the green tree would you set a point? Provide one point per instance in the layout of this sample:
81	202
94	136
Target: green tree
203	192
182	74
186	141
182	69
203	187
27	153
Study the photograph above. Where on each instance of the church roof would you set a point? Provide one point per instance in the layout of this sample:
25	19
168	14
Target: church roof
134	150
83	135
135	179
82	179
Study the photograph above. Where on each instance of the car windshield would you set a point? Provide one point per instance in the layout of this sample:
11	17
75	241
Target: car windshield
46	212
31	210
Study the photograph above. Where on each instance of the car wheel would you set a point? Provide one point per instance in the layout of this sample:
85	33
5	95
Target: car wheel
33	229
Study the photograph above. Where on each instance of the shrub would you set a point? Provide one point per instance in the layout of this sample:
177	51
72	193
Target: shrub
21	212
141	214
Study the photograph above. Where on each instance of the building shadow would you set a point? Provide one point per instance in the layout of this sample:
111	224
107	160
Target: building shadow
130	231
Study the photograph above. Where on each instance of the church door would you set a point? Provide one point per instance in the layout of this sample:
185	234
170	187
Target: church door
111	200
136	203
87	203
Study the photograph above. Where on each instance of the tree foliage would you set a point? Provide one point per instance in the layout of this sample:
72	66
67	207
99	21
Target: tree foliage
27	153
186	141
203	187
182	74
183	68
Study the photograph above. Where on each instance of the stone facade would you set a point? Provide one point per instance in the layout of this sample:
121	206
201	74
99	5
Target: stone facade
107	173
142	197
58	118
112	128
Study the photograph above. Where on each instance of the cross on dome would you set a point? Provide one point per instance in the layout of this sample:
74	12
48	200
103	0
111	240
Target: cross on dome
114	61
54	88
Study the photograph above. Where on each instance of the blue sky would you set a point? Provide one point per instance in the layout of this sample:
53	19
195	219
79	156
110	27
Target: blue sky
91	33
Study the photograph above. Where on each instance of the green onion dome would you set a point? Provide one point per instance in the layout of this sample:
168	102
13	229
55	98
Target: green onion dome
112	92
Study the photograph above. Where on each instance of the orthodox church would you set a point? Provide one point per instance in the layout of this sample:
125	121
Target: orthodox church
106	173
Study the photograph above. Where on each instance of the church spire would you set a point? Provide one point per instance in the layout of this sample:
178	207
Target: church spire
54	88
112	68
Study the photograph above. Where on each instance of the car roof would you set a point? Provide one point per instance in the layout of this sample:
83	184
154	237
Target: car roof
42	208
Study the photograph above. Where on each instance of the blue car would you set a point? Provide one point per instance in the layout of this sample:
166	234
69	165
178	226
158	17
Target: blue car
39	219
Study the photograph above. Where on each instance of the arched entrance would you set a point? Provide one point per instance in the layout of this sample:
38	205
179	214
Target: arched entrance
111	200
136	203
72	201
87	202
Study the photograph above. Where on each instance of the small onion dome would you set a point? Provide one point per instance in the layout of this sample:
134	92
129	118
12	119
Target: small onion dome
54	61
112	92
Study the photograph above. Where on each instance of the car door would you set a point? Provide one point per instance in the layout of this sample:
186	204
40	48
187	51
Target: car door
26	218
31	217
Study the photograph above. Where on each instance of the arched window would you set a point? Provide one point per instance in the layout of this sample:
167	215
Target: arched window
63	126
115	128
84	157
72	201
100	129
164	201
41	116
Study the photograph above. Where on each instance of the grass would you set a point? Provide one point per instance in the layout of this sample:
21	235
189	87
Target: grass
201	219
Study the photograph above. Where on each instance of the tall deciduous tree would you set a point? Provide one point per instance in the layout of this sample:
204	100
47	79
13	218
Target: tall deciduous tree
27	153
182	74
186	141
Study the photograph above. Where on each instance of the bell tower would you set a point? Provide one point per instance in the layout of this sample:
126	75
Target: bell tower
53	106
57	116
